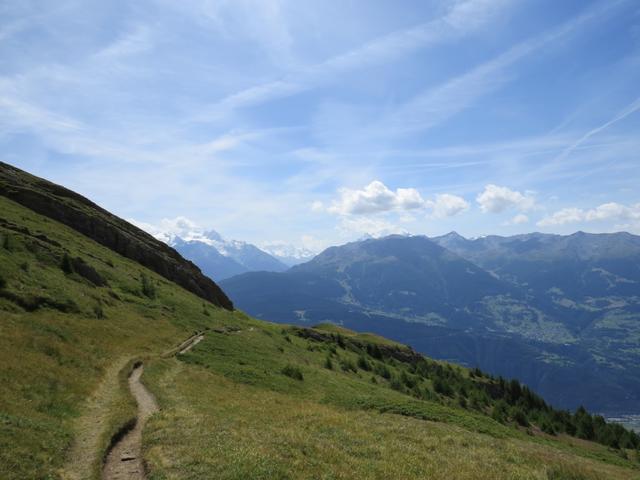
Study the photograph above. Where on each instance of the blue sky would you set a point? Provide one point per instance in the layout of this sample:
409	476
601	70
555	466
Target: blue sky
316	122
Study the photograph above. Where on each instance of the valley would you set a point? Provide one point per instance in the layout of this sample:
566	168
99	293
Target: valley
559	312
244	398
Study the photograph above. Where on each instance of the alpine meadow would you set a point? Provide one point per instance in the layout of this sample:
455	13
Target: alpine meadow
291	240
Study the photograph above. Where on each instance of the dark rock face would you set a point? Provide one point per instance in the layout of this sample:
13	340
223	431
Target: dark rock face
84	216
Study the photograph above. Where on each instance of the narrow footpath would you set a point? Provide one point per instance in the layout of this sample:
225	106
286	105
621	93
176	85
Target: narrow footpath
124	461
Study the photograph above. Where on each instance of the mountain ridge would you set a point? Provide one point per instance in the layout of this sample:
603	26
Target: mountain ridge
543	319
243	398
97	223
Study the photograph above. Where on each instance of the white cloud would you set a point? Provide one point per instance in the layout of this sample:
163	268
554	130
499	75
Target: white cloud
519	219
606	211
169	228
496	199
317	206
614	210
447	205
376	198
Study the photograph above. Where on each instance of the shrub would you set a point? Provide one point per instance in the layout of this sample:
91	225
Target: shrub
348	365
66	265
427	394
442	387
382	370
97	311
499	411
363	363
24	266
519	417
148	287
3	281
396	384
547	427
374	351
328	364
407	380
293	372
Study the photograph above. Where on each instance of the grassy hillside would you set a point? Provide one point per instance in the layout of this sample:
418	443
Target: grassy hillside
252	400
61	334
264	402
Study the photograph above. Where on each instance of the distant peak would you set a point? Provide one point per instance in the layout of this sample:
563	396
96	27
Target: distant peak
454	234
212	235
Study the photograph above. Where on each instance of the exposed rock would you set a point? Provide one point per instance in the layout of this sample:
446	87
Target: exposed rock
84	216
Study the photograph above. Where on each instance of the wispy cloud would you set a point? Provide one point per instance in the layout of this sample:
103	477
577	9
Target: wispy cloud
138	40
621	115
436	105
176	96
463	18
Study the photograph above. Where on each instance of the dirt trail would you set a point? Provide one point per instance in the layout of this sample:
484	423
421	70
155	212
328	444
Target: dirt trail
184	346
85	451
124	461
192	343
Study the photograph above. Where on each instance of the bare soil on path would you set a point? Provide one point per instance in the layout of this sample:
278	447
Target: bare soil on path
192	343
85	451
124	461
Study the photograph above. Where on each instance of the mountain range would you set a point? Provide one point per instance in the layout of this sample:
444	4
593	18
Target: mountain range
121	360
220	258
559	312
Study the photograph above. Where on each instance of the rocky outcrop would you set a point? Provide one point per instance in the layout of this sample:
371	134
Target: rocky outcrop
84	216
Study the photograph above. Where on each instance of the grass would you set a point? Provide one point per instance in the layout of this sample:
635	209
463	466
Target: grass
229	412
55	353
212	427
252	400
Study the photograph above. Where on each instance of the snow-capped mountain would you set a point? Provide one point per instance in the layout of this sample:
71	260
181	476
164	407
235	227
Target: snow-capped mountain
233	256
288	254
217	257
